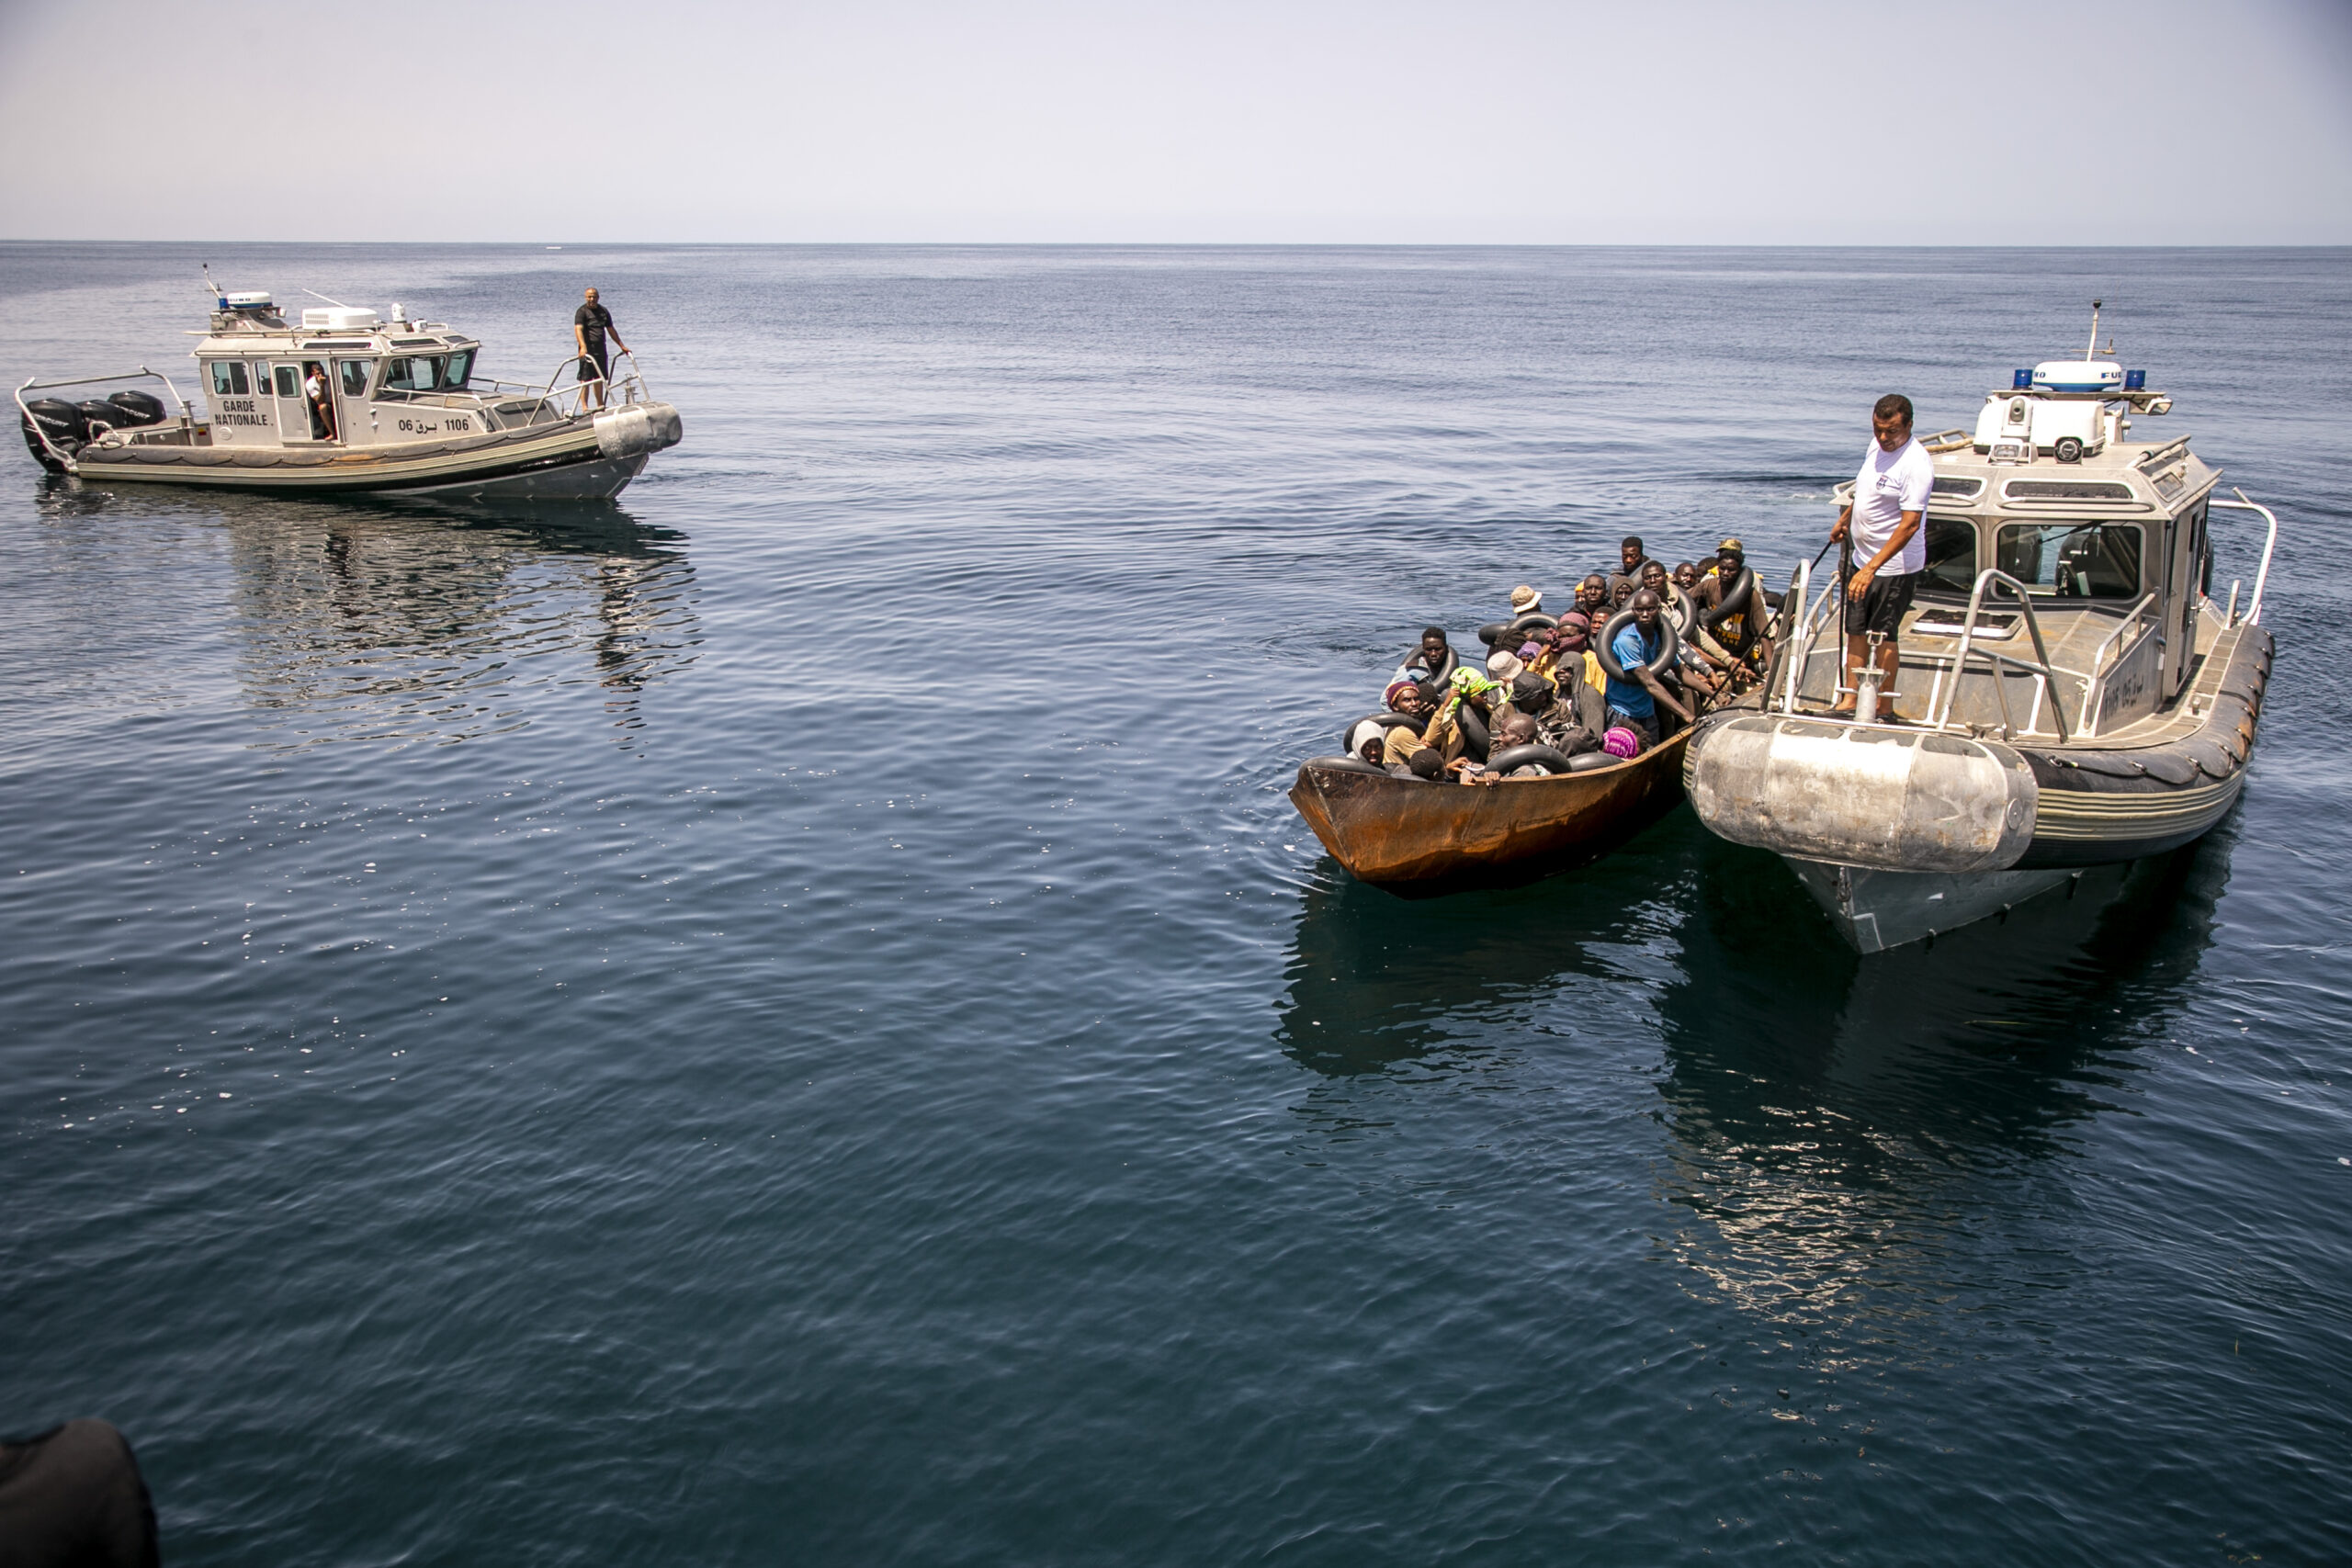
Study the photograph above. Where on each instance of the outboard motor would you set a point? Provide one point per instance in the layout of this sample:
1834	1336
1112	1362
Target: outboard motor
137	408
98	416
62	422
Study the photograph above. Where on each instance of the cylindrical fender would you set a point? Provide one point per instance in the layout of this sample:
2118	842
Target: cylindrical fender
1548	757
1669	645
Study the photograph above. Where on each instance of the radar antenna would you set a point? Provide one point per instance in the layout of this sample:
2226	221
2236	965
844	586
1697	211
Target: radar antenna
2092	346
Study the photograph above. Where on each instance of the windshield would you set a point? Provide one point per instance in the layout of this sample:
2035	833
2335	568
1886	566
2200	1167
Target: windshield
2073	561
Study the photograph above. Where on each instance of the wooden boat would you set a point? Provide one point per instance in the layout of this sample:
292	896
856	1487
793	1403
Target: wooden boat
1415	837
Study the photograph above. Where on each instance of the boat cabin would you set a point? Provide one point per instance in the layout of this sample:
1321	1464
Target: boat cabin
2108	537
377	383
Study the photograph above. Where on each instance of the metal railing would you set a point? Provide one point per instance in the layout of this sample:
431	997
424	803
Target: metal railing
2262	576
2039	665
620	390
188	415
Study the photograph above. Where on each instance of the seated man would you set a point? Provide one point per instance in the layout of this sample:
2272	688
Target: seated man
1633	701
1568	655
1592	599
1568	720
1515	729
1736	629
1432	654
1628	577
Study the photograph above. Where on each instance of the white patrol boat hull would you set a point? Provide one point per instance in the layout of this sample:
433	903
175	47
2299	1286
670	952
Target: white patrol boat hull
581	458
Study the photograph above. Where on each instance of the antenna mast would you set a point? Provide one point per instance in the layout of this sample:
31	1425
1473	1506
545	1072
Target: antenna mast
2092	344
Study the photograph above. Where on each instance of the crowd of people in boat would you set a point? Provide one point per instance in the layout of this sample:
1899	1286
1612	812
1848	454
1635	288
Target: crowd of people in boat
1642	651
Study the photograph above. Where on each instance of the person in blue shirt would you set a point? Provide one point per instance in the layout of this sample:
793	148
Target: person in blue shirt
1633	702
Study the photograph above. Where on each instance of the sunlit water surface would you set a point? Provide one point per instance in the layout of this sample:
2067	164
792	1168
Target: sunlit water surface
790	1019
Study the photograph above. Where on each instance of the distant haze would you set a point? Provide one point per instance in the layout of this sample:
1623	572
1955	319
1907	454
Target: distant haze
2059	122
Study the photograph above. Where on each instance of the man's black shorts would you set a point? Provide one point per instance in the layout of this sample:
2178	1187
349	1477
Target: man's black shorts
592	366
1880	607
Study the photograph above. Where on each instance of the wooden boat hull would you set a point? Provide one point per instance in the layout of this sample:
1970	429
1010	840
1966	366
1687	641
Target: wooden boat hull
1415	837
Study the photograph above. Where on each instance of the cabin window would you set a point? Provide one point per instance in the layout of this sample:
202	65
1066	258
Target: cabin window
2073	561
414	373
229	378
1951	554
355	377
290	381
461	366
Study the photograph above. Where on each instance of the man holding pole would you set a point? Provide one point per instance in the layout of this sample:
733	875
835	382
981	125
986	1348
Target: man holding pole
1882	522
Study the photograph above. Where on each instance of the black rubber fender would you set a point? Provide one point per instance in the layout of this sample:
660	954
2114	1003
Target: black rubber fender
1390	720
1519	756
1669	643
1345	765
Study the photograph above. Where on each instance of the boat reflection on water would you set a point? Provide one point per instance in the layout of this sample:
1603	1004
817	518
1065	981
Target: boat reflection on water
359	622
1841	1125
1838	1128
1375	980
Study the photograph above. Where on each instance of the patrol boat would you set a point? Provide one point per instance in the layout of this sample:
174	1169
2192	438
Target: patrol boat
2071	694
398	410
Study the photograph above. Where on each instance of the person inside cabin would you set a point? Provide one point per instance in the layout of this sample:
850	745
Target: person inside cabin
590	324
1627	579
1883	520
1633	701
318	397
1433	656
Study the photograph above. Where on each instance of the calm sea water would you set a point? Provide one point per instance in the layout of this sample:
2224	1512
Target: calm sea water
790	1019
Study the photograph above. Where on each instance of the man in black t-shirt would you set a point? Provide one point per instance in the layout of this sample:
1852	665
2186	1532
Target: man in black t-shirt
588	325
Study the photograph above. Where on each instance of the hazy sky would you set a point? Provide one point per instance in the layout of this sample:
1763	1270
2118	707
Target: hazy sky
2053	123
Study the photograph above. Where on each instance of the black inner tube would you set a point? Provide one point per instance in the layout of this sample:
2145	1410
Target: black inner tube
1476	742
1736	597
1438	675
1668	644
1345	765
1519	756
1493	631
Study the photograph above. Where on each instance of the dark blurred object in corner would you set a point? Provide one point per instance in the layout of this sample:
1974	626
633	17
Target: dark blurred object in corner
73	1498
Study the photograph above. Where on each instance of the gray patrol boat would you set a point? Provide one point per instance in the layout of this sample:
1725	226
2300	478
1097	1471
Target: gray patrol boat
399	411
2071	692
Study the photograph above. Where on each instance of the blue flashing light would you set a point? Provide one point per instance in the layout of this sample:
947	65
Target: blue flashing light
2021	380
2135	380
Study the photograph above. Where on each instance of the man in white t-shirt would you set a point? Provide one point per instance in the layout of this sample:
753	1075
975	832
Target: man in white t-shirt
1890	500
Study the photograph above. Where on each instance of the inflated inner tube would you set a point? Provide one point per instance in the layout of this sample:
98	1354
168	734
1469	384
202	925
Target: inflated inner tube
1476	742
1493	631
1409	671
1387	720
1669	645
1585	762
1346	765
1551	759
1736	597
